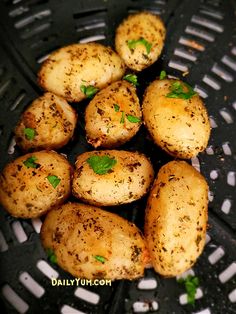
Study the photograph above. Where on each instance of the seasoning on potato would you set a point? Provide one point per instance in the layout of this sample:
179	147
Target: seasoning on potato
176	118
48	123
78	71
32	184
176	218
140	39
111	177
89	242
113	116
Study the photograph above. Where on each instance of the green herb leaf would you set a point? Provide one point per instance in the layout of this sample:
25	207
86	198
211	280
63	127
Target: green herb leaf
52	256
100	258
177	91
89	90
116	107
122	120
163	75
191	284
131	78
30	162
141	41
101	164
29	133
133	119
54	180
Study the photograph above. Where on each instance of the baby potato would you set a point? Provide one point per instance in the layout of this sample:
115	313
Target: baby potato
176	118
113	116
77	71
176	218
111	177
139	40
89	242
32	184
48	123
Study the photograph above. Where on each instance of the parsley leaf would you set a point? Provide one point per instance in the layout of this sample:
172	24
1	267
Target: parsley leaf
101	164
133	119
52	256
163	75
134	42
54	180
177	91
116	107
191	284
100	258
131	78
29	133
30	162
122	120
89	90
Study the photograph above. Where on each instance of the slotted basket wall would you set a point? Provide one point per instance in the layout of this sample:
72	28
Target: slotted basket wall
201	42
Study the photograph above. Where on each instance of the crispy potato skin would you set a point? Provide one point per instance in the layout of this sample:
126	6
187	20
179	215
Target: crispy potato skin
103	124
179	126
77	233
69	67
128	180
53	120
26	192
176	218
140	25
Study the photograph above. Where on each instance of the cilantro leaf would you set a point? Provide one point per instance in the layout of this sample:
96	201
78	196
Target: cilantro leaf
177	91
52	256
89	90
116	107
30	162
54	180
191	284
29	133
131	78
100	258
101	164
122	120
134	42
133	119
163	75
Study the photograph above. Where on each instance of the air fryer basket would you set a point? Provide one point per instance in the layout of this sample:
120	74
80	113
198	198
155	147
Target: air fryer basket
201	43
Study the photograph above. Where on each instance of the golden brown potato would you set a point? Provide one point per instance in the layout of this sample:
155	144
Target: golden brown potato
89	242
179	126
34	183
77	71
176	218
48	123
111	177
113	117
139	40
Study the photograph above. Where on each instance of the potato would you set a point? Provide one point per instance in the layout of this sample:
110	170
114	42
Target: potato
34	183
176	218
89	242
179	126
48	123
111	177
78	70
139	40
113	117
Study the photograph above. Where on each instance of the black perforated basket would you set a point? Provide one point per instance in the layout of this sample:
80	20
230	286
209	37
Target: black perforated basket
201	43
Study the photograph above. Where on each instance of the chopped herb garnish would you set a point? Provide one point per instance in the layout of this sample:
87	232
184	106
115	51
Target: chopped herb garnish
89	90
163	75
30	162
177	91
133	119
131	78
116	107
54	180
100	258
122	120
191	284
29	133
101	164
51	255
134	42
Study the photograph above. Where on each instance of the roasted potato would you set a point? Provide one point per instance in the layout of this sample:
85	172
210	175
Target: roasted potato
176	118
77	71
89	242
48	123
113	116
111	177
139	40
176	218
34	183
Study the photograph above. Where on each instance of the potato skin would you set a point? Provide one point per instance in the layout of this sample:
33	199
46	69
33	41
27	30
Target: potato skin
26	192
140	25
77	233
69	67
179	126
53	120
128	180
103	124
176	218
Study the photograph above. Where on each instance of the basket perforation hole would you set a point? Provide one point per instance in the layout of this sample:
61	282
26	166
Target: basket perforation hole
232	296
144	306
191	43
210	196
210	150
214	3
205	311
18	100
228	273
178	65
18	11
3	243
37	224
32	18
212	82
36	30
226	115
233	51
31	285
214	174
11	147
208	239
92	38
213	122
183	298
212	25
227	149
5	86
147	284
201	91
66	309
189	272
229	62
222	73
200	33
19	232
231	178
226	206
87	295
96	25
14	299
195	163
90	14
212	13
155	10
215	256
46	269
185	54
41	59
